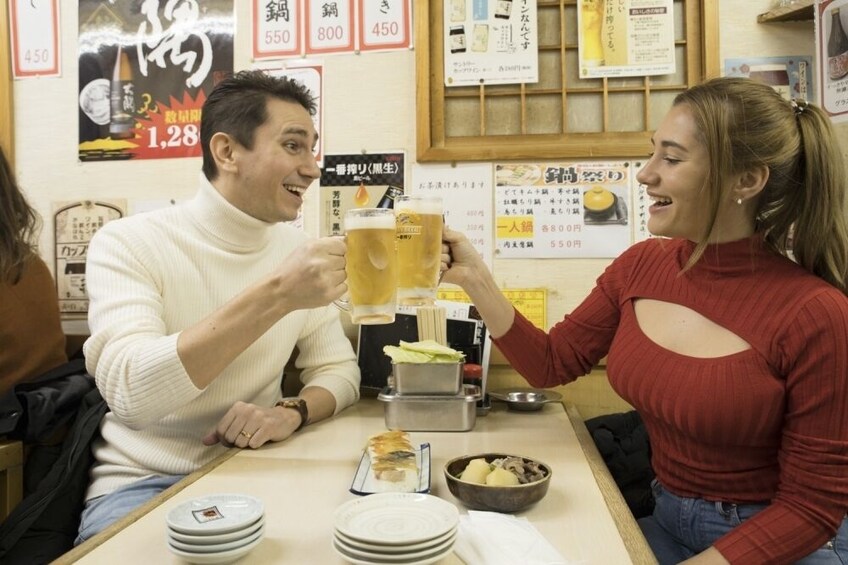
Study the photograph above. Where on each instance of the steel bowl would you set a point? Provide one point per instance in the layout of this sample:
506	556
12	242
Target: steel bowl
526	399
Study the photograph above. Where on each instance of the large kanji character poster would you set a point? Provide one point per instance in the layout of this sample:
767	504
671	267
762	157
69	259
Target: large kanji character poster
145	69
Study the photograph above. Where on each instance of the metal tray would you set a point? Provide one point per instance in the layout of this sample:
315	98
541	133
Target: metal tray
427	378
431	413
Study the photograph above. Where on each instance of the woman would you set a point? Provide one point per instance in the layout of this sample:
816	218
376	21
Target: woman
31	337
735	356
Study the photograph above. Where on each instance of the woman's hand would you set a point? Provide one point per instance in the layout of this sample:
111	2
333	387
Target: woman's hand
461	262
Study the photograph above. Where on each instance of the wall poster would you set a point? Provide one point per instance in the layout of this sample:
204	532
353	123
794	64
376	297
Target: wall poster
625	38
75	223
791	76
360	180
563	210
491	42
832	46
145	69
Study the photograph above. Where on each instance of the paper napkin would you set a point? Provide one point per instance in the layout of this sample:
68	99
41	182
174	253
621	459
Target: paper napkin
502	539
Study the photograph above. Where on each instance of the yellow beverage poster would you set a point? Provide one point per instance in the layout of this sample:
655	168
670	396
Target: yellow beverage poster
619	38
531	302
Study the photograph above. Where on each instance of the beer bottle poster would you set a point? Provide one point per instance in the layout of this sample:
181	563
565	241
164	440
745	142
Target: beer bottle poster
361	180
145	69
832	45
75	223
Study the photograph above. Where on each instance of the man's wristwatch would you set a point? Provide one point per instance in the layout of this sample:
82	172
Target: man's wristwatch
298	404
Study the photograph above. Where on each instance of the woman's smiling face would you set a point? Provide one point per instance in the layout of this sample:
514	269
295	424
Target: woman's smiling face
675	178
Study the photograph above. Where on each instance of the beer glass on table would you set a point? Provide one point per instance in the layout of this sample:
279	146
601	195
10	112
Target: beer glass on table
371	266
419	246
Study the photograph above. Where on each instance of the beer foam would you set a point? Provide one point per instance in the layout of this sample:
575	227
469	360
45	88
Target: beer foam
420	206
384	222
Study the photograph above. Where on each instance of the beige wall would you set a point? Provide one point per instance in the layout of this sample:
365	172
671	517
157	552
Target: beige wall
369	106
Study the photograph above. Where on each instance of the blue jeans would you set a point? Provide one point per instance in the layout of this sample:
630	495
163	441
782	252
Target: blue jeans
100	512
683	527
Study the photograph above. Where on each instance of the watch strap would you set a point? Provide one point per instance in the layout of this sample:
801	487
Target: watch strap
298	404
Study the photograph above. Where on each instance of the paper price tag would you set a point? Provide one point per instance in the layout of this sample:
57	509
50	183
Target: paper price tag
329	26
384	25
35	38
276	29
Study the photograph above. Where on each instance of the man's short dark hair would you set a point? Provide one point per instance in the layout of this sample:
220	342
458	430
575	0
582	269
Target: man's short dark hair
238	105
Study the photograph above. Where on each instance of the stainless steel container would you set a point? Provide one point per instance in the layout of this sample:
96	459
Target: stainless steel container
427	378
431	413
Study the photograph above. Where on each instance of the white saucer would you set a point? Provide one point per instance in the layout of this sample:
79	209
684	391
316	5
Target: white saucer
406	556
215	514
217	547
395	518
219	557
382	548
217	538
391	559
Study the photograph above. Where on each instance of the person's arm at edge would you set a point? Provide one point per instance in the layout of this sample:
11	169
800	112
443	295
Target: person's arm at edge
313	276
464	267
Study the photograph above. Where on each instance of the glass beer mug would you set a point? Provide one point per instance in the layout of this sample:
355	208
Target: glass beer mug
419	247
371	266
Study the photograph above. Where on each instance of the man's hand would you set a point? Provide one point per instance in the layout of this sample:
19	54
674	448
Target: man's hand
314	274
249	425
460	260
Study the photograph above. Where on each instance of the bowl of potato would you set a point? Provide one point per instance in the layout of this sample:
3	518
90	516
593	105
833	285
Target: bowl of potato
497	482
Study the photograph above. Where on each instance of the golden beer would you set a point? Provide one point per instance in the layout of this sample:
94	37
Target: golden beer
371	265
419	247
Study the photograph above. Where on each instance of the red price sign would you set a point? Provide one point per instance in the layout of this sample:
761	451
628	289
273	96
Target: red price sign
384	24
329	26
276	29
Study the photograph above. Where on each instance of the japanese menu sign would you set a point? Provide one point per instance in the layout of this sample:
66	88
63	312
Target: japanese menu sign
34	30
466	191
144	73
364	180
563	210
619	38
75	223
292	28
491	42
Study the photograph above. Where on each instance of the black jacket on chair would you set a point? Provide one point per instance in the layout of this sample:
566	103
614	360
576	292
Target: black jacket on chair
623	443
44	525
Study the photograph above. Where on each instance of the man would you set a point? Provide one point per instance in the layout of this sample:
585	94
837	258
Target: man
195	309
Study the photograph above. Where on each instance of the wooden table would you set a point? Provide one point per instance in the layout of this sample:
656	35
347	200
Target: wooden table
305	478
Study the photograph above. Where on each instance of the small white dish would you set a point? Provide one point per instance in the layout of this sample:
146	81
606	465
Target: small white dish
389	549
217	538
391	559
217	547
396	518
408	555
215	514
219	557
365	483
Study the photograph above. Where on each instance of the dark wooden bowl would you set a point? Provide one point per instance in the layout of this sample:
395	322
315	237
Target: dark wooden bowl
495	498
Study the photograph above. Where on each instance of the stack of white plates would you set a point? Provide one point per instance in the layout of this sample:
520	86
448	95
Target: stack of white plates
395	527
218	528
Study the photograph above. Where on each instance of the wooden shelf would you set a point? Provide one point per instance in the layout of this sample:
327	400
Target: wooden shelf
802	10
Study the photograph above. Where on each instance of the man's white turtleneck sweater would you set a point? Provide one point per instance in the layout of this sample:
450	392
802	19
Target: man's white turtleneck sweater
151	276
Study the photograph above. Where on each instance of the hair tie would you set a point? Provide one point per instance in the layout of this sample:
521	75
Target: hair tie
798	105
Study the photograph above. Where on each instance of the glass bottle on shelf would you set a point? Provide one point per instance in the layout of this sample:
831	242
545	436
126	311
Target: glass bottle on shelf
837	48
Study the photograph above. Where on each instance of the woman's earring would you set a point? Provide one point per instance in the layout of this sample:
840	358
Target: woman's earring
739	201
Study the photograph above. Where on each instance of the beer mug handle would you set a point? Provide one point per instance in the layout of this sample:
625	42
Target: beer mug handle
343	303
